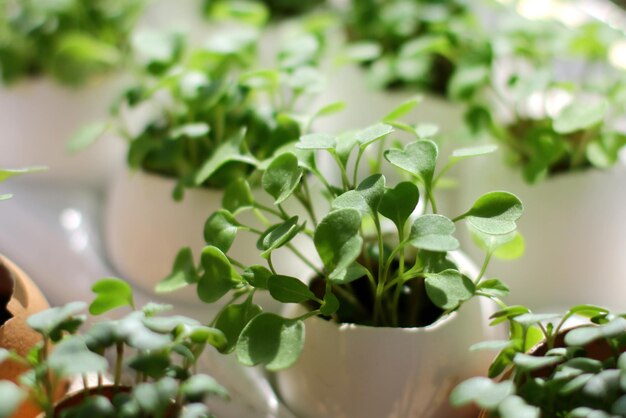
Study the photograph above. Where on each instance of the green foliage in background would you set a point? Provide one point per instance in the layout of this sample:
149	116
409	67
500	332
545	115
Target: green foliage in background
413	44
574	373
70	41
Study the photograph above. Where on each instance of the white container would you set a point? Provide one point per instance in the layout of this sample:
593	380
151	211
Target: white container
38	117
144	228
575	232
351	371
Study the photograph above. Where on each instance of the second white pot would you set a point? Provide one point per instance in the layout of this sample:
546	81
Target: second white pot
38	117
144	228
350	371
575	235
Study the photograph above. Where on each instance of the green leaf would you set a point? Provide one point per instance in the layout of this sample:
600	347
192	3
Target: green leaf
363	51
199	386
373	133
217	278
256	276
493	287
398	203
8	173
72	357
495	213
278	235
529	319
508	313
228	151
337	240
49	321
504	247
402	109
183	273
467	80
449	289
86	136
191	130
345	144
289	289
588	311
531	363
330	304
433	233
498	345
482	391
418	158
220	229
463	153
282	177
426	130
330	109
232	320
237	196
317	141
355	271
351	200
516	407
111	293
580	115
271	340
12	397
372	190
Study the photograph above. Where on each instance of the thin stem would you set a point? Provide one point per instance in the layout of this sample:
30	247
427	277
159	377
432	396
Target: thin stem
483	268
119	346
267	209
270	264
356	165
380	285
431	198
400	285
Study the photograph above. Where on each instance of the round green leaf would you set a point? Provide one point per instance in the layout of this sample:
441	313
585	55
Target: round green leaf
433	233
337	240
449	288
317	141
516	407
271	340
278	235
373	133
495	213
220	230
72	357
398	203
49	321
199	386
282	177
256	276
86	136
237	196
183	273
372	190
483	391
217	279
12	397
418	158
289	289
232	320
580	115
111	293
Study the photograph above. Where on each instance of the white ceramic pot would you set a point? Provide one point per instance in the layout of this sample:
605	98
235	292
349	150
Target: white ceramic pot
145	228
38	117
575	232
350	371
